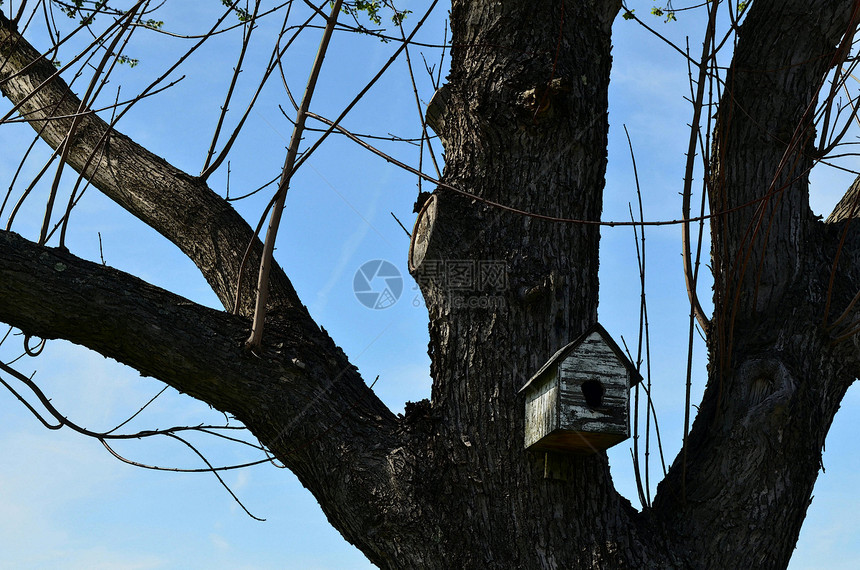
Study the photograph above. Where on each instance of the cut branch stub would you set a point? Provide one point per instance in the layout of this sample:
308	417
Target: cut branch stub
437	112
422	233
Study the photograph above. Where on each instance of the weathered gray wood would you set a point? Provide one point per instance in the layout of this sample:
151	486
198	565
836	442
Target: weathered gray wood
558	417
541	411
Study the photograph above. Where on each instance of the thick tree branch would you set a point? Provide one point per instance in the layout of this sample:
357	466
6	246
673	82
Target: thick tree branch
841	235
776	378
764	144
300	395
52	294
179	206
849	206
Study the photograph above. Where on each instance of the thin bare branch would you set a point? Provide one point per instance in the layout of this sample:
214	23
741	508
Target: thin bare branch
686	194
82	105
246	40
366	88
256	337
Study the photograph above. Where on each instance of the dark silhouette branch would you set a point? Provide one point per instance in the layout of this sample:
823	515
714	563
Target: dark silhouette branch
769	266
300	396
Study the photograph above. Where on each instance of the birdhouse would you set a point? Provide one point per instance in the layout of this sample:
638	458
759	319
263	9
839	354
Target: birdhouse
578	401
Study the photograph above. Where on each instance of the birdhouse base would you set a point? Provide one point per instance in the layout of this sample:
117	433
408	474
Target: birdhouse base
580	442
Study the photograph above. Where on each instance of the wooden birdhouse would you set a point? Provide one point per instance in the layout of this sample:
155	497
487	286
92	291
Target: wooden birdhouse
579	400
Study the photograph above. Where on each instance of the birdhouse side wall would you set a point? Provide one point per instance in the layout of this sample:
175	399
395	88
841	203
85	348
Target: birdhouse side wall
594	360
541	410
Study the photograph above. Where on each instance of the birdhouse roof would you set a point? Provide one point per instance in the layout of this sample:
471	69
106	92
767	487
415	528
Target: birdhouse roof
564	351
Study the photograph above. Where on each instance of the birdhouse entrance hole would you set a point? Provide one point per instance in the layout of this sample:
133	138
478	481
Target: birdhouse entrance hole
593	392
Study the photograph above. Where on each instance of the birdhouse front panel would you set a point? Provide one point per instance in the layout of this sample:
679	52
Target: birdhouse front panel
578	400
593	390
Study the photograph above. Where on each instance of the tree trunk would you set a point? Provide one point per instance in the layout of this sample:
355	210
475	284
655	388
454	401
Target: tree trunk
525	124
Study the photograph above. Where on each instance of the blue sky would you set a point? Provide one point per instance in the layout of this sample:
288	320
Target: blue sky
65	502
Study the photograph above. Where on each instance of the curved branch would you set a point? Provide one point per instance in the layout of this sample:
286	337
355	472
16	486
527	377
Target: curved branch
689	273
842	306
179	206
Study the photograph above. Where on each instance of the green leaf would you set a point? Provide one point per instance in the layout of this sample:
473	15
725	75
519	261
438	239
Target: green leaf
130	61
242	14
668	12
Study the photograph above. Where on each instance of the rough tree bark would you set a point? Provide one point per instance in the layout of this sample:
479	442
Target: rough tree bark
778	369
525	124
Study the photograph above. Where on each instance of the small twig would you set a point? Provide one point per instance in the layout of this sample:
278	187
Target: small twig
29	407
274	62
101	251
246	40
20	167
210	468
418	103
644	497
506	208
247	254
252	192
401	225
143	407
216	474
30	187
366	88
47	56
89	95
33	351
